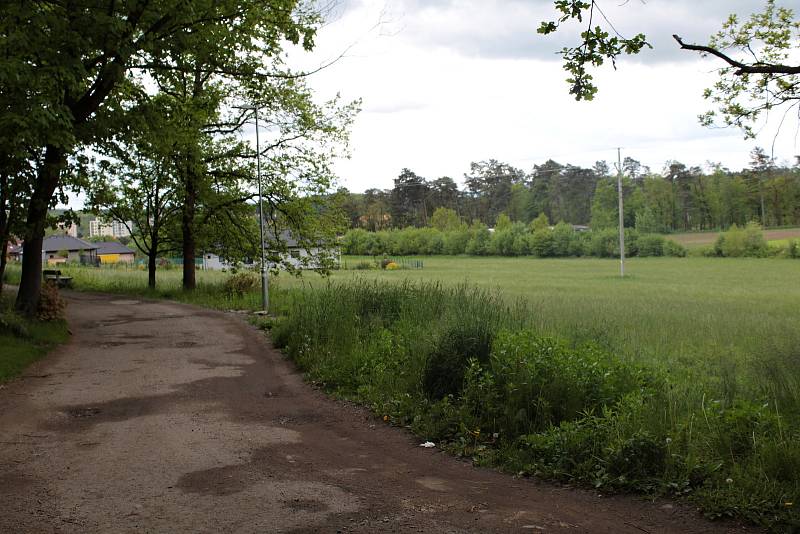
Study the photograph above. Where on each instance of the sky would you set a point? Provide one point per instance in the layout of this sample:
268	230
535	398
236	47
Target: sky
448	82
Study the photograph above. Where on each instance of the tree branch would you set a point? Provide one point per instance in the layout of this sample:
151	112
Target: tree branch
743	68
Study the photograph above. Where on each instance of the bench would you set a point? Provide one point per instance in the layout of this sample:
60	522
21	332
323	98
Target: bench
54	275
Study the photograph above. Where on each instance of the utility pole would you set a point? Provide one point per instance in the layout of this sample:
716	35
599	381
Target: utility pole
621	216
264	270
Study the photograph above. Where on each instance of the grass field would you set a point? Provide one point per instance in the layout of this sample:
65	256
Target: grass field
692	240
678	313
669	311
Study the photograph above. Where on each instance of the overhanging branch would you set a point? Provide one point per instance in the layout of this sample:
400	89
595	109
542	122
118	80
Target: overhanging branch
743	68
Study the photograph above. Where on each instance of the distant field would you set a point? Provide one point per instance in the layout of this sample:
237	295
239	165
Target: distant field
701	239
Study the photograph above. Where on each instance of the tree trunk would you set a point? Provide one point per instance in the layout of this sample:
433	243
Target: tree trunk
3	259
30	284
5	223
151	268
187	229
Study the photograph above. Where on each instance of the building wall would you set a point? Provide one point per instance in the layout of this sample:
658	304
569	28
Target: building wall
71	230
100	227
73	256
115	258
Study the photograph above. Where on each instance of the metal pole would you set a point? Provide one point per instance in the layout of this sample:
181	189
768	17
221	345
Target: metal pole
264	270
621	216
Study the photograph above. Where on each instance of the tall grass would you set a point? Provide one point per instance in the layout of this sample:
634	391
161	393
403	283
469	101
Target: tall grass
463	366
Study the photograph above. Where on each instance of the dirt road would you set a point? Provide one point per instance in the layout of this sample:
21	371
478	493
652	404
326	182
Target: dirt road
160	417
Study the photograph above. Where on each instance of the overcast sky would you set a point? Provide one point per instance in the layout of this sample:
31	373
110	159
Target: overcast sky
448	82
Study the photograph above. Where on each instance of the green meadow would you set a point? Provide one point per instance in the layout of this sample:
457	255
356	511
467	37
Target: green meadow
668	311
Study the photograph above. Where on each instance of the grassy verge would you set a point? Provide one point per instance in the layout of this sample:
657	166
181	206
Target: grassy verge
210	293
471	371
24	341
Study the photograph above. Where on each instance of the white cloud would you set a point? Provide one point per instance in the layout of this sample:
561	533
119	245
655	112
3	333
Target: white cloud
445	83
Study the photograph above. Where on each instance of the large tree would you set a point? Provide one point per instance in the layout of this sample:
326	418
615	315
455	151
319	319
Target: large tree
68	65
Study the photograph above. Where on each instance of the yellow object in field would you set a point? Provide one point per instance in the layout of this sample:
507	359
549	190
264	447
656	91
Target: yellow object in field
109	258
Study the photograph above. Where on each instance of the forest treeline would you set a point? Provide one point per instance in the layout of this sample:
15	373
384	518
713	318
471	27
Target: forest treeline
680	198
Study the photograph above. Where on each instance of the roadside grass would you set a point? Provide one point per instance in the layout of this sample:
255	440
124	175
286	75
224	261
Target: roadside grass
469	369
210	291
24	341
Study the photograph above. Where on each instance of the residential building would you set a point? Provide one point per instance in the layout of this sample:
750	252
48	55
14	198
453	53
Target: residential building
63	248
100	227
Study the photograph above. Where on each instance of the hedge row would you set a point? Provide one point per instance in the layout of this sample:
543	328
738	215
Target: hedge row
515	240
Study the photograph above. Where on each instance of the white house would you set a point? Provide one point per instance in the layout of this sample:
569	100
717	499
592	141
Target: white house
296	255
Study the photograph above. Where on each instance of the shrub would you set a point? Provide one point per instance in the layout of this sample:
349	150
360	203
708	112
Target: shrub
51	305
651	245
673	248
545	382
604	243
392	266
447	364
742	242
456	242
480	238
793	248
240	283
563	236
542	243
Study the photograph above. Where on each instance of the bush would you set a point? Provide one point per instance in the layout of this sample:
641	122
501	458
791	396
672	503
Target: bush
456	242
480	238
675	249
544	382
563	237
651	245
793	248
604	243
51	305
240	283
742	242
446	365
542	243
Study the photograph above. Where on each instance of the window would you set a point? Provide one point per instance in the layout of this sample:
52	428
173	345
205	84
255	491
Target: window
295	254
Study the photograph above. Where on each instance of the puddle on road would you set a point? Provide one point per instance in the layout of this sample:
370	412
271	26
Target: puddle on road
431	483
